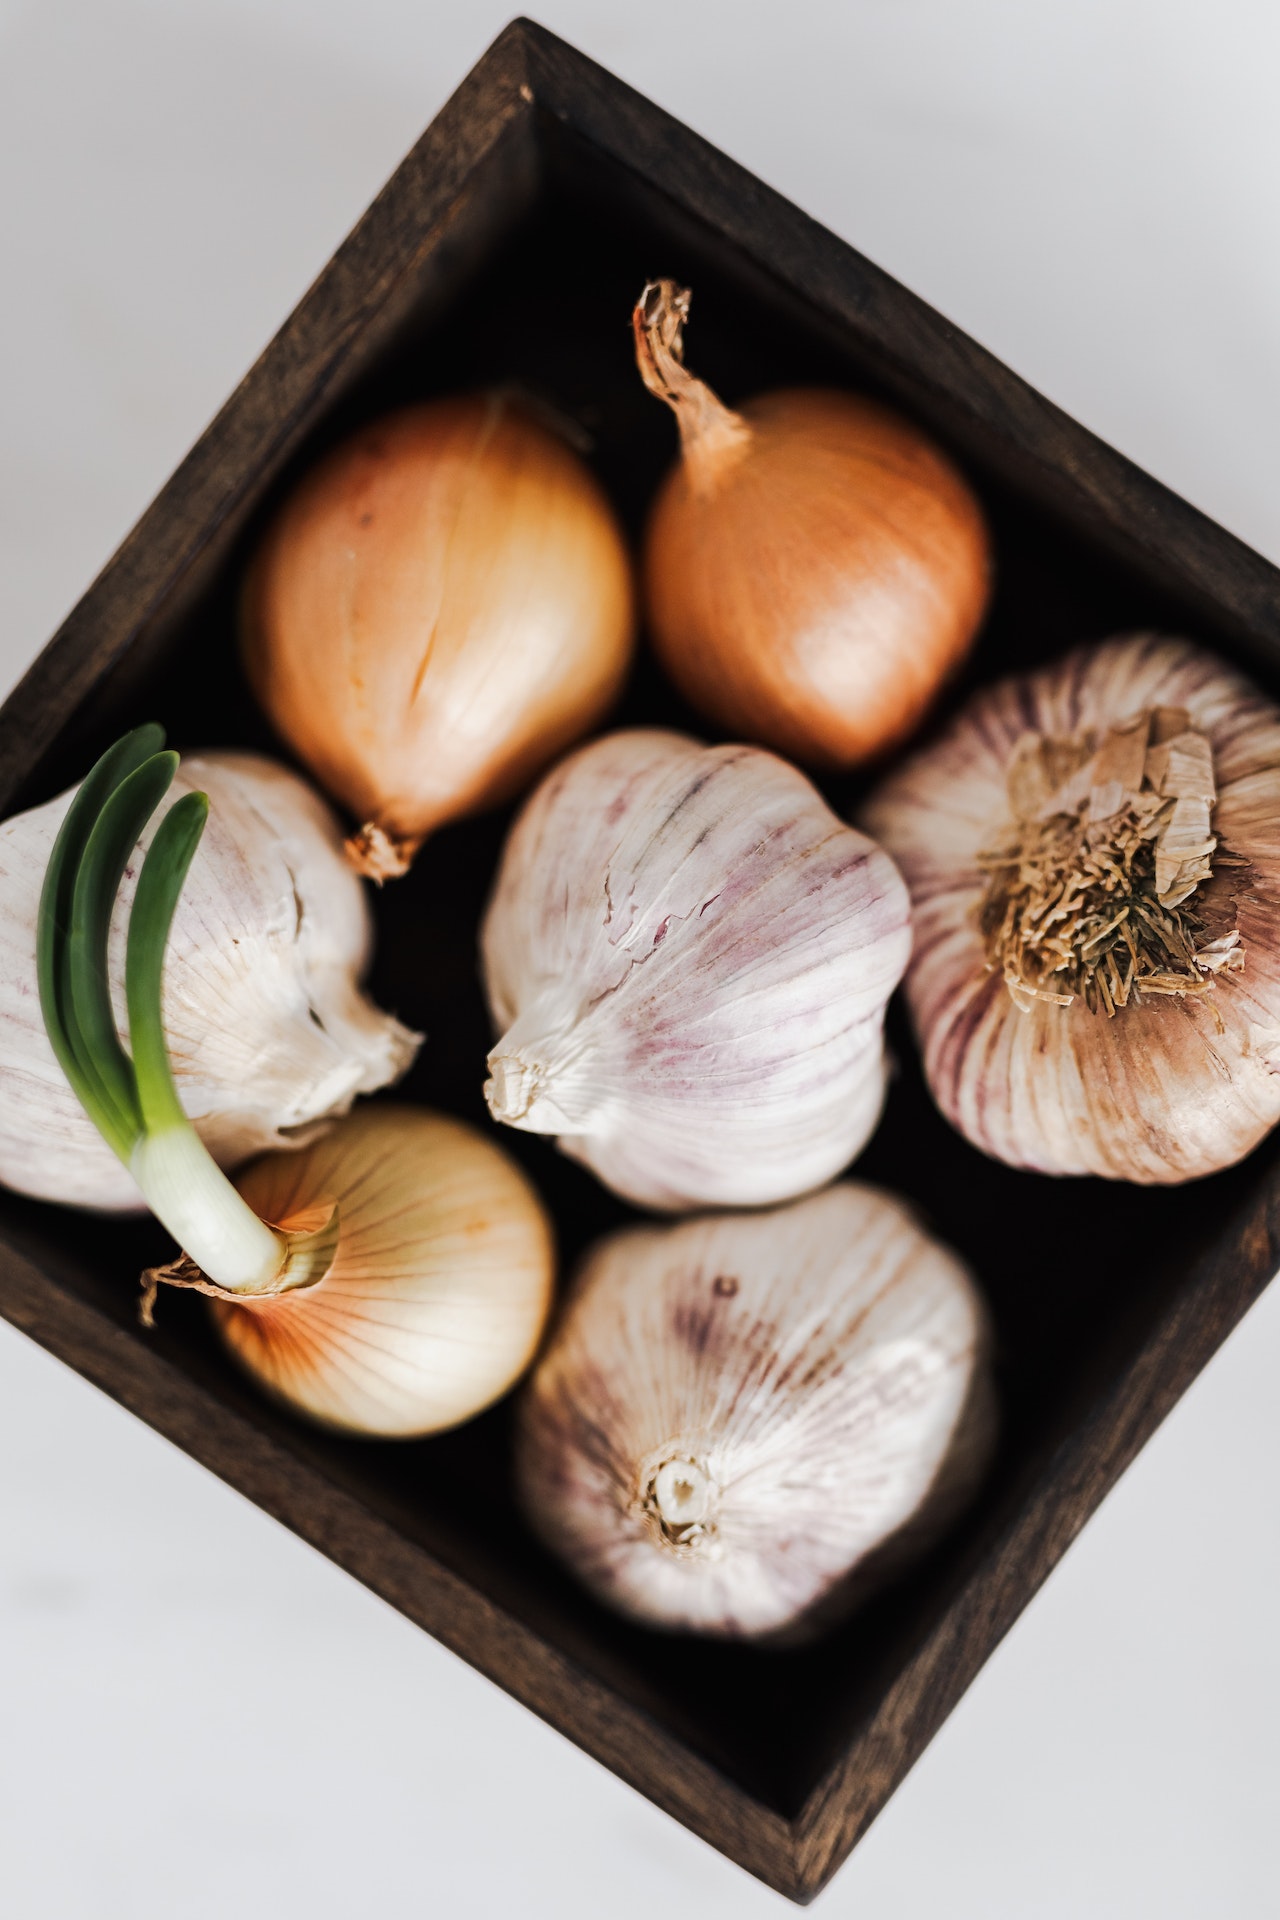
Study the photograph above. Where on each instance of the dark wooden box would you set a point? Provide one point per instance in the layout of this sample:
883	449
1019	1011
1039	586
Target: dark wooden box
509	246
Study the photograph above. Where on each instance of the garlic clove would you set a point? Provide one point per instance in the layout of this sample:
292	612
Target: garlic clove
690	957
1174	1082
742	1420
269	1032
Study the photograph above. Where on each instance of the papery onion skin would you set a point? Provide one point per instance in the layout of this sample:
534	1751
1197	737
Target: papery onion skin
819	1374
269	1032
688	959
1169	1089
438	1293
442	604
814	566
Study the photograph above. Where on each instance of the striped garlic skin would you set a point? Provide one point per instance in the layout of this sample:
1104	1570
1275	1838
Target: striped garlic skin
268	1030
439	1290
816	1375
688	958
1170	1088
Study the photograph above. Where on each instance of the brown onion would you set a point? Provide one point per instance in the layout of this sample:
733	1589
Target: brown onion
814	566
441	606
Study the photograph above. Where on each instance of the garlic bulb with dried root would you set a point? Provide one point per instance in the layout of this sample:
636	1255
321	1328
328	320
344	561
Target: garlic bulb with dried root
741	1421
1093	853
814	567
441	605
269	1031
438	1290
688	958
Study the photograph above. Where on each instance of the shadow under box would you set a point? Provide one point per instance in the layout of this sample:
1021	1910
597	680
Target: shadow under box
510	247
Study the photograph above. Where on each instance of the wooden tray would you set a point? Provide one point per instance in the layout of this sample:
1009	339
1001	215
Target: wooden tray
510	246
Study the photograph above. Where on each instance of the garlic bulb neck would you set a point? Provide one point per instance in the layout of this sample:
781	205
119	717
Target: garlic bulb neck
712	437
679	1497
540	1072
512	1088
1092	891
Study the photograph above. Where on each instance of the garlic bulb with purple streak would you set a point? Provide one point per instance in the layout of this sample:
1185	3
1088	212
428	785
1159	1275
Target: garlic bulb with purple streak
269	1031
1093	853
688	958
742	1420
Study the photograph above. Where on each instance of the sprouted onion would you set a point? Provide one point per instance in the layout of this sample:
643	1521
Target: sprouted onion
814	566
405	1276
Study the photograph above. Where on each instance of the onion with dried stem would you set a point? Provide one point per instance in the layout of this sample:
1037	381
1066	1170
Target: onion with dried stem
814	566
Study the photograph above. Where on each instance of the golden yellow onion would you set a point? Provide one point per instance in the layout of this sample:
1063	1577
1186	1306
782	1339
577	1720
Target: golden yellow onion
438	1292
814	566
440	607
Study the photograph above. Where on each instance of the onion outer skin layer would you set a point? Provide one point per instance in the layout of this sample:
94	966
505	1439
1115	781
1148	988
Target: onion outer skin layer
442	604
438	1292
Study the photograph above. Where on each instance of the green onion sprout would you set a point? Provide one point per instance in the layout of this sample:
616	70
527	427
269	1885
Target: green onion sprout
130	1095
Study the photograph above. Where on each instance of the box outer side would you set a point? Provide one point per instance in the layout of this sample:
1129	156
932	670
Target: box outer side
491	122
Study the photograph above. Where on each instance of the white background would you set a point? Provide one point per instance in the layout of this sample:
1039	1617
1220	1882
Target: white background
198	1715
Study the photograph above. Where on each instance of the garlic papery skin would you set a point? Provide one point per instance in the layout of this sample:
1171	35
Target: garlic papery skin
688	957
269	1032
740	1420
439	1288
1183	1077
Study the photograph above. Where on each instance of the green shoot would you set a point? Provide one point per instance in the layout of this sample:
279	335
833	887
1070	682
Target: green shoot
130	1095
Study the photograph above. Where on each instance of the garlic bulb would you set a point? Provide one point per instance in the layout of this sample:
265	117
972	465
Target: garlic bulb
441	605
690	956
268	1029
1093	853
814	565
740	1419
439	1287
